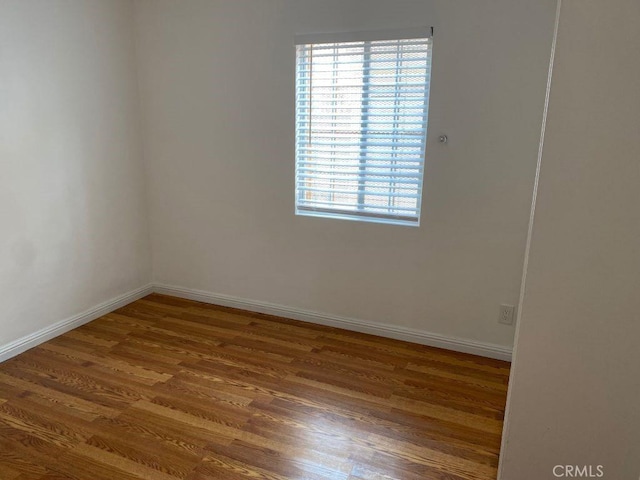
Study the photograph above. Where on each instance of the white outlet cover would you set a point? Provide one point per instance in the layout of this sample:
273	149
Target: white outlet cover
507	314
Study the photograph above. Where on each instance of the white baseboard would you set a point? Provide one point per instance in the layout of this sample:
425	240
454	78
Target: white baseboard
29	341
391	331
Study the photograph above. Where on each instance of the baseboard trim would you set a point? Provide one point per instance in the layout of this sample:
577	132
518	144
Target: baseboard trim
29	341
391	331
463	345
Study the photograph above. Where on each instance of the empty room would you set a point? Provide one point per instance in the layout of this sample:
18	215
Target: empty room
319	239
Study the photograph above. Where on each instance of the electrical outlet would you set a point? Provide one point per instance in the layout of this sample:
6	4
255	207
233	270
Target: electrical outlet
507	314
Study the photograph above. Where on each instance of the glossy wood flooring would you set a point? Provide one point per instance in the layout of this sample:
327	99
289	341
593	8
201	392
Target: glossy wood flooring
167	389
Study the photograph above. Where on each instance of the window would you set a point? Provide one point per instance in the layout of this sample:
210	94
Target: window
361	123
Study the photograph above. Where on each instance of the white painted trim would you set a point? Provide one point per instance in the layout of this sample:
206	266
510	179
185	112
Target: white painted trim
34	339
523	286
391	331
474	347
365	36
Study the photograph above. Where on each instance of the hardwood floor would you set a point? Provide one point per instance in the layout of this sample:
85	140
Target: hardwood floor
167	389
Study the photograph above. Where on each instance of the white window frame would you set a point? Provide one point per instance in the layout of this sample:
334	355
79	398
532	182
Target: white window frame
360	211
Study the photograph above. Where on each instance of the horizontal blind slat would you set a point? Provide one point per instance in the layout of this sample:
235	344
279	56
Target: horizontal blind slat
412	163
367	164
302	115
369	124
351	192
308	172
407	210
348	178
371	183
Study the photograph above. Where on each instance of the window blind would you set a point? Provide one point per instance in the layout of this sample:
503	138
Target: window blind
361	111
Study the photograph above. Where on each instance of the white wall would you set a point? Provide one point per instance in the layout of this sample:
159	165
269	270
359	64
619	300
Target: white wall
575	393
217	79
73	228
